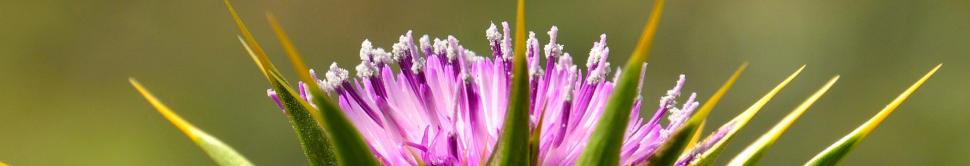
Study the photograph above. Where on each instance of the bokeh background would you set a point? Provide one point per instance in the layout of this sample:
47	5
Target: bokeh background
65	100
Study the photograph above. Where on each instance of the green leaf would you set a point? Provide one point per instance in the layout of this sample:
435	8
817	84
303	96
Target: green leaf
316	146
604	144
218	151
835	152
349	144
512	147
753	152
668	153
739	122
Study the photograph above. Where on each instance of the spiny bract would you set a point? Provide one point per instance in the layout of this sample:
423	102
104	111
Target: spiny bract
445	105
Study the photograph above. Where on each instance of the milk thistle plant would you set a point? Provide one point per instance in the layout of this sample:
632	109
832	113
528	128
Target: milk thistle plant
446	105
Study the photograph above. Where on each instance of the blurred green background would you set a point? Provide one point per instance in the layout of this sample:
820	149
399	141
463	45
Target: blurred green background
65	100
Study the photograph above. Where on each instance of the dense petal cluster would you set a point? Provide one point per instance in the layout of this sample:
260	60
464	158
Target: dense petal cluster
444	105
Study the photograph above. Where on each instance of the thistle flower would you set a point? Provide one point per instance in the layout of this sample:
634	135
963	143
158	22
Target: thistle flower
437	103
447	104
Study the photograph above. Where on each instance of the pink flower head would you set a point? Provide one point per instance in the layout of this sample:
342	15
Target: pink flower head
446	105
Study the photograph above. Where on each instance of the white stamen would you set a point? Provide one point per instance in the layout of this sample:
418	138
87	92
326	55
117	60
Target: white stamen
553	31
669	102
553	49
598	52
506	42
451	51
418	64
439	46
598	74
335	76
425	43
271	93
532	41
365	69
492	34
322	82
531	44
400	48
365	50
381	56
